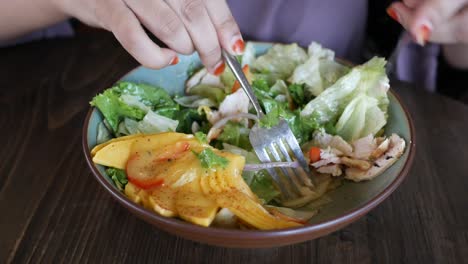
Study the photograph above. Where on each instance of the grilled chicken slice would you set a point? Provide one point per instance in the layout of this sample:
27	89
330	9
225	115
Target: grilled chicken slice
334	170
395	150
363	147
324	140
381	149
327	156
356	163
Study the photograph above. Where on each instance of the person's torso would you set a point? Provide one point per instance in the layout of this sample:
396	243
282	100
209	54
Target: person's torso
336	24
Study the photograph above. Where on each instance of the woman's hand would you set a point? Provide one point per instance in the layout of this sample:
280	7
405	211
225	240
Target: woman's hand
183	25
439	21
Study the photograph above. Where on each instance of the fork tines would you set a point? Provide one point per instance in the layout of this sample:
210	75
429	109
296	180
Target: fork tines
278	144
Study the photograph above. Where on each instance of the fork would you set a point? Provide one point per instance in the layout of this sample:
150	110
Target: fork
275	144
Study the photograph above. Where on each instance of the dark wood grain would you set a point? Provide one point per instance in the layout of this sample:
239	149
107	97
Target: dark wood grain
52	209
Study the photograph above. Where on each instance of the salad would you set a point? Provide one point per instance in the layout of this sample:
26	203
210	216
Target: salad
189	156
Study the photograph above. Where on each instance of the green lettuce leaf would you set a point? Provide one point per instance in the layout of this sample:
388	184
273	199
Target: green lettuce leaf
227	79
262	185
130	100
114	109
297	93
201	137
261	84
236	134
301	126
186	117
260	182
209	159
118	176
149	95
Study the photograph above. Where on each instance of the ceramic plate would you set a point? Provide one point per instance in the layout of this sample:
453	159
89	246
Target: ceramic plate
350	202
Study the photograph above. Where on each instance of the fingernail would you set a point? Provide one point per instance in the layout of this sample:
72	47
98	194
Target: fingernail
175	60
219	68
238	46
424	34
393	14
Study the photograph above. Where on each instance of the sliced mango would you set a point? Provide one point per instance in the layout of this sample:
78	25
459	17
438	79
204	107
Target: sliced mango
132	192
187	190
251	211
193	206
158	141
115	154
137	195
125	138
233	176
162	201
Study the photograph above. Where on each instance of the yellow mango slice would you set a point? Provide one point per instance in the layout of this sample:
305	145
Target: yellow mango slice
188	190
158	141
229	190
232	176
137	195
162	201
125	138
115	154
193	206
205	185
132	192
251	211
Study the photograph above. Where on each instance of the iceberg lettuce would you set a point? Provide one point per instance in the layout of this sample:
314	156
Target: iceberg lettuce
154	123
357	101
319	71
280	60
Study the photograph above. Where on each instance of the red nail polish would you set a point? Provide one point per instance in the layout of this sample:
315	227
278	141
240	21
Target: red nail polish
175	60
238	46
220	69
393	14
424	33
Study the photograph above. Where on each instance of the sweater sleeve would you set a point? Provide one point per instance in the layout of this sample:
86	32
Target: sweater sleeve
62	29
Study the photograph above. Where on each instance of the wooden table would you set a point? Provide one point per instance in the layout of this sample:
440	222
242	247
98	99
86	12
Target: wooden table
53	210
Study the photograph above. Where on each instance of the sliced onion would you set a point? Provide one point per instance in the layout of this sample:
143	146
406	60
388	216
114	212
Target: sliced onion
269	165
220	123
194	101
216	128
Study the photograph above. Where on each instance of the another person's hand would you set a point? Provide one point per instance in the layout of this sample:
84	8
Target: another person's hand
183	25
439	21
